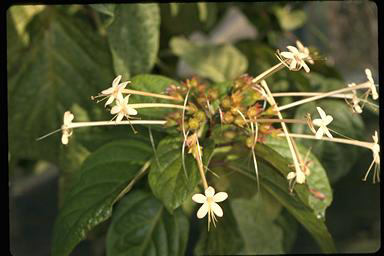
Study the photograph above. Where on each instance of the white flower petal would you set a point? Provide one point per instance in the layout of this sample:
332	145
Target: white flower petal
202	211
293	64
115	110
292	49
116	81
216	209
109	101
321	112
325	129
287	55
319	133
300	177
131	111
317	122
119	117
68	117
199	198
305	66
209	192
64	139
328	119
219	197
291	175
123	85
107	91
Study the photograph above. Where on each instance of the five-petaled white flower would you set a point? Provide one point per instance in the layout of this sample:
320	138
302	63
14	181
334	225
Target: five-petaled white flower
67	131
122	109
115	90
322	123
296	59
210	206
304	50
368	72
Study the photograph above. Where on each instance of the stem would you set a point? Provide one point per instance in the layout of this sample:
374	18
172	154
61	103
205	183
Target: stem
274	120
157	105
103	123
268	72
129	91
309	94
285	129
138	176
199	160
299	102
338	140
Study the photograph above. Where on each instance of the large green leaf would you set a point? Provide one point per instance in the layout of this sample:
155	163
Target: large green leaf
317	180
134	38
168	179
276	185
336	158
224	239
104	175
259	232
14	46
58	70
153	84
142	226
290	19
217	62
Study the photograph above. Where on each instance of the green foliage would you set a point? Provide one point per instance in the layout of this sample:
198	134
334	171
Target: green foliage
168	179
133	37
142	226
105	174
317	180
216	62
64	51
225	239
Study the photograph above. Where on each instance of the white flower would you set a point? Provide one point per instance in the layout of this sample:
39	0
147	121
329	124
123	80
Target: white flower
296	59
67	132
300	177
376	160
368	72
355	100
122	109
210	206
304	50
322	123
115	90
376	148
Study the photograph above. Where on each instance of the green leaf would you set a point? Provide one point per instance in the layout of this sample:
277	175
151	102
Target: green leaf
153	84
134	38
276	185
216	62
142	226
224	239
174	7
169	181
57	71
104	176
336	158
15	46
317	180
290	20
260	234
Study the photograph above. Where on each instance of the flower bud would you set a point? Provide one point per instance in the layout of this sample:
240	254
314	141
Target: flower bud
193	123
228	117
239	121
200	116
226	103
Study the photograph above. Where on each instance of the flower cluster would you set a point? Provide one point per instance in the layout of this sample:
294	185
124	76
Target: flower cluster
246	112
